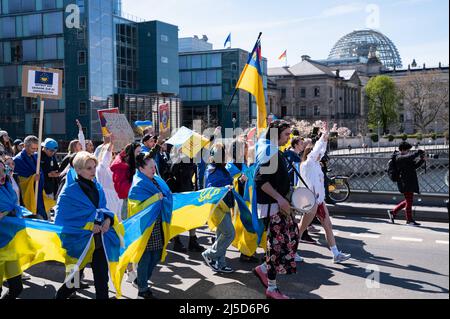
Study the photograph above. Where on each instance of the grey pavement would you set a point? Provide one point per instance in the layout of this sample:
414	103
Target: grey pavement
405	263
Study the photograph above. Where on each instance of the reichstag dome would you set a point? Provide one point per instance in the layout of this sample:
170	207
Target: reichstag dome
365	43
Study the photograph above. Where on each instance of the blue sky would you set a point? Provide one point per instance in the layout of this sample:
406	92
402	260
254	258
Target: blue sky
419	28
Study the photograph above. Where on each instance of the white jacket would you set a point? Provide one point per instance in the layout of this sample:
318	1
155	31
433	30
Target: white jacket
311	171
104	177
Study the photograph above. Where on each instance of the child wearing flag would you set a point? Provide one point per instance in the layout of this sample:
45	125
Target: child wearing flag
218	176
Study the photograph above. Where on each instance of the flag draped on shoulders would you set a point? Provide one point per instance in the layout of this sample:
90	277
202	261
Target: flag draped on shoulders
75	210
265	151
25	168
251	80
147	202
8	202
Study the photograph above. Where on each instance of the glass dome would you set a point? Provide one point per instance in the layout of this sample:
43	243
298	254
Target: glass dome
365	43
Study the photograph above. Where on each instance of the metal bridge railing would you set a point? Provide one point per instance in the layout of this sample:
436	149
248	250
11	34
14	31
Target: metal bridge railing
369	174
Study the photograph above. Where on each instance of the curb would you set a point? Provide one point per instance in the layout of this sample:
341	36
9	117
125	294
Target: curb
421	213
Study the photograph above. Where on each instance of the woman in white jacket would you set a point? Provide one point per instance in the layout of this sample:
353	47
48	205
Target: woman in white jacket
104	177
312	174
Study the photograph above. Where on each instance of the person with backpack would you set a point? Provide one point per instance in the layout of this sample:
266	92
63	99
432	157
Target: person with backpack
402	170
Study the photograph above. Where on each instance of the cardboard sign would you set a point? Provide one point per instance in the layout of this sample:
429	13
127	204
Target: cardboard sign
42	82
101	116
189	141
164	120
118	126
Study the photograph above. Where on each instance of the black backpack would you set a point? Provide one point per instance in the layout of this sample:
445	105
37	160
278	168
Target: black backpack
392	170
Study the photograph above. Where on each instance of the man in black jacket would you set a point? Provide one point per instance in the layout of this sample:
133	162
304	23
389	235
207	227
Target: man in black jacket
407	163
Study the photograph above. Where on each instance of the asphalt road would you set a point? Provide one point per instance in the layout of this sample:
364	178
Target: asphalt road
389	262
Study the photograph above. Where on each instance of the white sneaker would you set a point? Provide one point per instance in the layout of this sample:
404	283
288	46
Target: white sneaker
341	258
131	276
26	276
298	258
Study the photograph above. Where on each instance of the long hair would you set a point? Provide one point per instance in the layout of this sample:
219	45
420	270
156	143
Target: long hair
130	158
280	125
6	145
72	146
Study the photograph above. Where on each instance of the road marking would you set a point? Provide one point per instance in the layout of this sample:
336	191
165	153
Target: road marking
442	242
365	236
416	240
335	233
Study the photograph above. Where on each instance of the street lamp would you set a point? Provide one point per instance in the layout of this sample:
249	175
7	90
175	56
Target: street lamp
379	138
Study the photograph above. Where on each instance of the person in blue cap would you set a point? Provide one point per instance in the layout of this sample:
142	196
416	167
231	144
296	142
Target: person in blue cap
50	167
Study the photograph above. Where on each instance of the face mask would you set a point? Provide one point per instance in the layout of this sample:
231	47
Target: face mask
8	170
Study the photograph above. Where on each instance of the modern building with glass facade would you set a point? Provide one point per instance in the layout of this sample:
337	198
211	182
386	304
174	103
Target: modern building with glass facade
207	82
106	56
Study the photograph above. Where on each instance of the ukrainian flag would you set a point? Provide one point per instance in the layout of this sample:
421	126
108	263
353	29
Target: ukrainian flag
251	80
25	243
195	209
247	238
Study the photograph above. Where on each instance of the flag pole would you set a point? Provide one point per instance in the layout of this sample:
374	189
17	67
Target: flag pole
38	164
236	89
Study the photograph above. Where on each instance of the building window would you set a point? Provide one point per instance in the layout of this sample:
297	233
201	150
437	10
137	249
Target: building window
49	49
164	38
81	57
303	110
16	51
83	108
331	92
216	61
53	23
80	33
283	111
196	61
164	81
164	60
316	92
48	4
32	25
283	93
29	50
8	27
316	110
302	92
82	83
234	66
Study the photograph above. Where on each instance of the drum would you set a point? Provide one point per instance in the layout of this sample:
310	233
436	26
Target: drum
303	200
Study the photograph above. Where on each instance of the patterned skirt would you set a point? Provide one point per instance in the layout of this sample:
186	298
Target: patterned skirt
282	243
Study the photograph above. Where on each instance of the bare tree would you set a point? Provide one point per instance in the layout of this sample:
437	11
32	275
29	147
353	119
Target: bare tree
425	95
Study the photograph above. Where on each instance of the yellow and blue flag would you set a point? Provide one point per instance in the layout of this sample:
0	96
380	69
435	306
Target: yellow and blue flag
26	170
195	209
251	80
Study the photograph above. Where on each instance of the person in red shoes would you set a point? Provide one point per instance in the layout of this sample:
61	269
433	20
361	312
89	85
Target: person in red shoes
272	188
407	163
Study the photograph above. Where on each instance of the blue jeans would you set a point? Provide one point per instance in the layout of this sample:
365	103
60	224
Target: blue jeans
225	235
146	266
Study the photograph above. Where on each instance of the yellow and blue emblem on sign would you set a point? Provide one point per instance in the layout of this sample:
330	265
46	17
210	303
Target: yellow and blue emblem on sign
45	78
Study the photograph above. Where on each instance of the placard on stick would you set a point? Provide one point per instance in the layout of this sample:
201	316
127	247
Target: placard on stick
118	126
42	82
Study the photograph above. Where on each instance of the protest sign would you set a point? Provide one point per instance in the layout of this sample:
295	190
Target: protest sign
118	126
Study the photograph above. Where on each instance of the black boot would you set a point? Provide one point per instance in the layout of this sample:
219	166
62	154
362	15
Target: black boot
194	245
178	245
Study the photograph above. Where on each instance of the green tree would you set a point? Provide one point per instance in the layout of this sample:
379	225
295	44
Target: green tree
383	101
